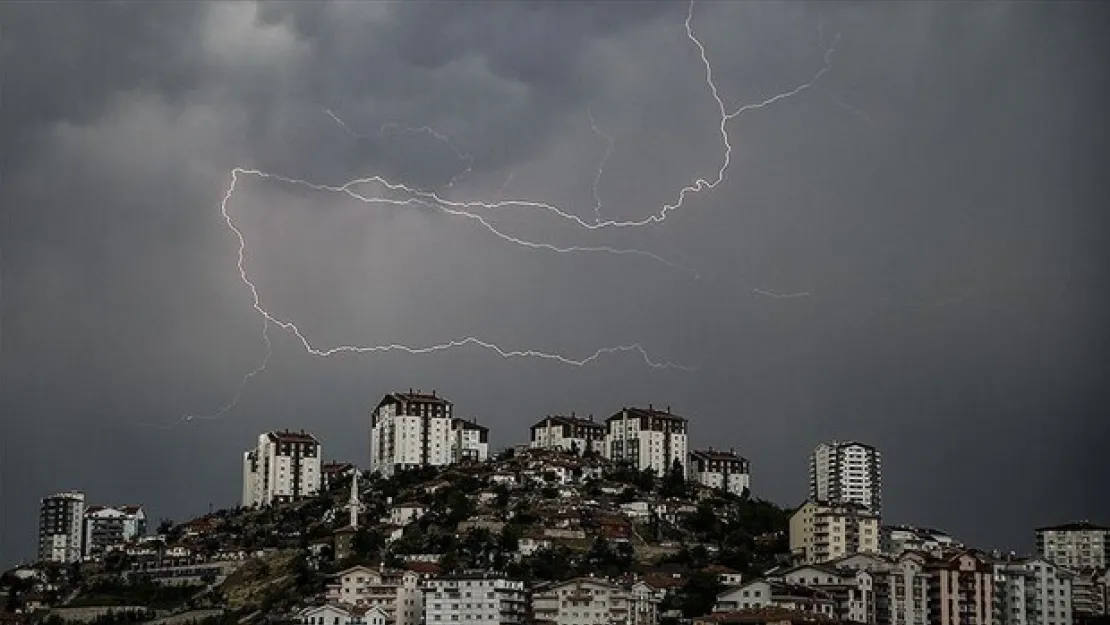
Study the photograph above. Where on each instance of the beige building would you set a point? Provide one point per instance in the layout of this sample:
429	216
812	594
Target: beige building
961	590
397	593
1074	545
820	532
588	600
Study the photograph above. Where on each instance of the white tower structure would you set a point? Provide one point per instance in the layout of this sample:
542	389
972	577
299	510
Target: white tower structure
354	505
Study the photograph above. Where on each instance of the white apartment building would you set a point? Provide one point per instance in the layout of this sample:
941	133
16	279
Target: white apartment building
416	429
105	526
846	471
589	600
820	532
60	527
284	466
397	593
571	433
647	439
339	615
476	599
723	470
1032	592
1075	545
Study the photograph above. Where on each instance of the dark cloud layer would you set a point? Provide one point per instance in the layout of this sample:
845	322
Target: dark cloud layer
936	196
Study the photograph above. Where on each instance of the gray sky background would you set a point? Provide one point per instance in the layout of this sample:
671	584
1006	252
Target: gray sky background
936	196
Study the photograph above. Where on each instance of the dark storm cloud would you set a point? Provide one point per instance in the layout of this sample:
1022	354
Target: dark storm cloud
936	196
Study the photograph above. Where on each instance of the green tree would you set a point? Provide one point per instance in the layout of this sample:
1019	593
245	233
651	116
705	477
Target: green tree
674	482
700	593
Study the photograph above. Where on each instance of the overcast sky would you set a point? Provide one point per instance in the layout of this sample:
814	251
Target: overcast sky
910	252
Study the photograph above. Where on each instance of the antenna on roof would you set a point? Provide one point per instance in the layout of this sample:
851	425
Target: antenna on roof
433	392
571	414
668	410
410	390
650	407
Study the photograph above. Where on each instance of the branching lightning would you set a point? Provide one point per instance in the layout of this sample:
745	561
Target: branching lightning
400	195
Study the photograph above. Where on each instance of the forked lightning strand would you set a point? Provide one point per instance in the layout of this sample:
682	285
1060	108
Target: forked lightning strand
402	195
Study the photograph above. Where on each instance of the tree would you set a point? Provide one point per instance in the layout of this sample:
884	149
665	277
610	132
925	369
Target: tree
674	482
165	525
574	447
700	593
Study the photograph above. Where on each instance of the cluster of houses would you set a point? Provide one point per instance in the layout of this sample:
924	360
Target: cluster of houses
843	563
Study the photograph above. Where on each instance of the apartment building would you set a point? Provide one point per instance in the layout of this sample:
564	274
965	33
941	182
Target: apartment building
396	593
764	593
851	590
821	531
284	466
723	470
847	471
105	526
961	590
589	600
1075	545
417	429
647	439
571	433
1090	593
1032	592
478	598
61	527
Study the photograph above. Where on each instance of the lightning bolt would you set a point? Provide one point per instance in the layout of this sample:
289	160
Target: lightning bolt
601	166
469	210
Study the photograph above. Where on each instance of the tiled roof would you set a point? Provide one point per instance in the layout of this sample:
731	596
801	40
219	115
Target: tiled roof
571	420
1075	526
286	436
715	454
650	412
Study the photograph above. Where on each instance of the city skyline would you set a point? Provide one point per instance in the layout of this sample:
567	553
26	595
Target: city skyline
877	222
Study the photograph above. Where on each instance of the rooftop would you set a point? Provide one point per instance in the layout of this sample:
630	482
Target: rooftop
571	420
1074	526
649	412
288	436
716	454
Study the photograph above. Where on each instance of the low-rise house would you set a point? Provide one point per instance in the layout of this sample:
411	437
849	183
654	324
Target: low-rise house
405	513
898	539
332	614
531	543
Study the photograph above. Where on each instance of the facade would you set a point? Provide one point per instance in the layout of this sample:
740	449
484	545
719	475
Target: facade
588	600
723	470
1074	545
1089	592
961	590
568	434
1032	592
416	429
396	593
763	593
647	439
61	527
284	466
851	591
820	532
105	526
332	614
477	598
847	471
